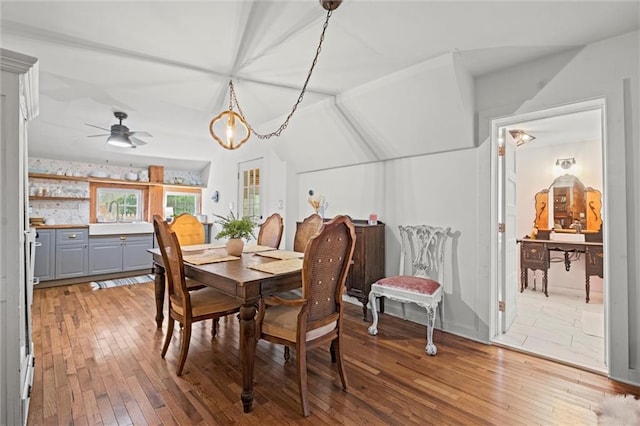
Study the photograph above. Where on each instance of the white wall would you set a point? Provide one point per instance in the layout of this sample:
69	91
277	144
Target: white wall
453	188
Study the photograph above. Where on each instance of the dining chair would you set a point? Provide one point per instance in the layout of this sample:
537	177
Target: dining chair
270	232
307	229
304	231
186	306
422	249
188	229
316	317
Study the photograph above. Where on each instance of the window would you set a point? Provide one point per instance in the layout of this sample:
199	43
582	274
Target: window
250	189
119	205
183	202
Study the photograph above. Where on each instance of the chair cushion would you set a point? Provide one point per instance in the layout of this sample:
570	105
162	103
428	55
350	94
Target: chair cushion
410	283
207	301
282	321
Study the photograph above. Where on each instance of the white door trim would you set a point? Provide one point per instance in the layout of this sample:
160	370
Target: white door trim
496	274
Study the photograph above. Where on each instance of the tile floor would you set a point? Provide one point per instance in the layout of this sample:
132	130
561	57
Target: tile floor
553	327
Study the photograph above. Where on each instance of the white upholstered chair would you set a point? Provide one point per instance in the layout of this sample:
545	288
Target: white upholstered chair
422	249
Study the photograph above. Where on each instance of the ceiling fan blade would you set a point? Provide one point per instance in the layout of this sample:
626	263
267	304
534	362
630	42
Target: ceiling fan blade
136	141
104	134
97	127
140	134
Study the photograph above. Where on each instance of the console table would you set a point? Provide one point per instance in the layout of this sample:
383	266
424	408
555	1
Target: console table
535	254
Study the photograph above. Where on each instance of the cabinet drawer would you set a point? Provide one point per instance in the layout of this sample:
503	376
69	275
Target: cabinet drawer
72	236
534	256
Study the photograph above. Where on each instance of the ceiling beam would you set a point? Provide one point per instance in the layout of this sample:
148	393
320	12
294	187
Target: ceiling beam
55	38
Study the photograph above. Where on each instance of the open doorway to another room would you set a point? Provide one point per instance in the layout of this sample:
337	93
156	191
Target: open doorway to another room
557	166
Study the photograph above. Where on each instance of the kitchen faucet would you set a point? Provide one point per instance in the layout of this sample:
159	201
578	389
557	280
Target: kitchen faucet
117	209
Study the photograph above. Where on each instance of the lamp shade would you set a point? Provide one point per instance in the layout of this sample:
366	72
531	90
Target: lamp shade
119	140
229	129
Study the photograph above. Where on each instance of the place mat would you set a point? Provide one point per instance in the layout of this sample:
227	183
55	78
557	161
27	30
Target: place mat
207	257
281	254
279	266
253	248
198	247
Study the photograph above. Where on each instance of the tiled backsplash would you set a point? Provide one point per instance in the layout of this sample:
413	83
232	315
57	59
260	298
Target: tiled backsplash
77	211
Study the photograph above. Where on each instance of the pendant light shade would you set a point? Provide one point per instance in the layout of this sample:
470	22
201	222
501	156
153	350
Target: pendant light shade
232	127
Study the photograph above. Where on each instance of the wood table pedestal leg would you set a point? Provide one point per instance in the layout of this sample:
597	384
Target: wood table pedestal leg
247	353
158	284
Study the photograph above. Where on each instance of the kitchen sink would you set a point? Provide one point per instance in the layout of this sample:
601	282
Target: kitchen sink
112	228
568	237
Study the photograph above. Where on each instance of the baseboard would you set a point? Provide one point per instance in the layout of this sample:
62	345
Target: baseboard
88	279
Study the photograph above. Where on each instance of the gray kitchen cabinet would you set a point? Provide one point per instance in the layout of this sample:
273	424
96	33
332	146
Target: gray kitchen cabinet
105	254
118	253
45	262
134	252
72	252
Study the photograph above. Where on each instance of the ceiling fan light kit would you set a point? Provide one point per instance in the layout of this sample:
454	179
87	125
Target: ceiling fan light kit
230	119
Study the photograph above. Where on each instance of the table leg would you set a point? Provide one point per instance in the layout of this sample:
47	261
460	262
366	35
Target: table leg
587	287
158	284
523	279
247	353
545	279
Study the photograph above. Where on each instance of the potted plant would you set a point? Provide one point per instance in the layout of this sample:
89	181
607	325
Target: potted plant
235	229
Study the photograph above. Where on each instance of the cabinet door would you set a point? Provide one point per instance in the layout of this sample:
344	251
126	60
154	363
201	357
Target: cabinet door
45	255
72	260
135	254
105	255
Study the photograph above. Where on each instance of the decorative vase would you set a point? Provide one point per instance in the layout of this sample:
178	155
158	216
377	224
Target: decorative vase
235	246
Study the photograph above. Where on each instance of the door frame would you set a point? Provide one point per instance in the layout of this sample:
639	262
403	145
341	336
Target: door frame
256	163
497	275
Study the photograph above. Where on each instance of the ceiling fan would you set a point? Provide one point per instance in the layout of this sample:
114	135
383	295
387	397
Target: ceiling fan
120	135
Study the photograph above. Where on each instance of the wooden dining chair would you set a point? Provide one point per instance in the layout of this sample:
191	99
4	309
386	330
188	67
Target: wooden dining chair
316	317
270	232
307	229
188	229
186	306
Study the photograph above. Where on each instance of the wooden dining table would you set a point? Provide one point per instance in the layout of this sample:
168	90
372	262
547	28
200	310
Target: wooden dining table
237	279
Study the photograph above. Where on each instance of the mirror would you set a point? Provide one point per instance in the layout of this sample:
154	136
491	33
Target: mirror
567	206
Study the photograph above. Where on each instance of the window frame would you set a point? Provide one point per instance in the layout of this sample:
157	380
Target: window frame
93	191
183	191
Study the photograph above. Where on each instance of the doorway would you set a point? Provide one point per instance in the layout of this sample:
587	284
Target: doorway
250	189
561	326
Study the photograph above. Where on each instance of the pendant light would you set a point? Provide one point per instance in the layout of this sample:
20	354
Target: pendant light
235	129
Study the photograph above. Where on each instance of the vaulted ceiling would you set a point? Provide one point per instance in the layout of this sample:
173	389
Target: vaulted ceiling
168	64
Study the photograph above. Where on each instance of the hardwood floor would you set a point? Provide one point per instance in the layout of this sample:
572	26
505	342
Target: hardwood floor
98	362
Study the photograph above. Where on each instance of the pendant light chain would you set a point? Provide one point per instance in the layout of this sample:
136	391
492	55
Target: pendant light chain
234	100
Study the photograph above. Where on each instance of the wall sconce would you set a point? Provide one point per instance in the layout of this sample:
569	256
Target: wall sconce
565	163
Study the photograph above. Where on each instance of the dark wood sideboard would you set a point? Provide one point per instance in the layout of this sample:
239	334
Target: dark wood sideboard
368	261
